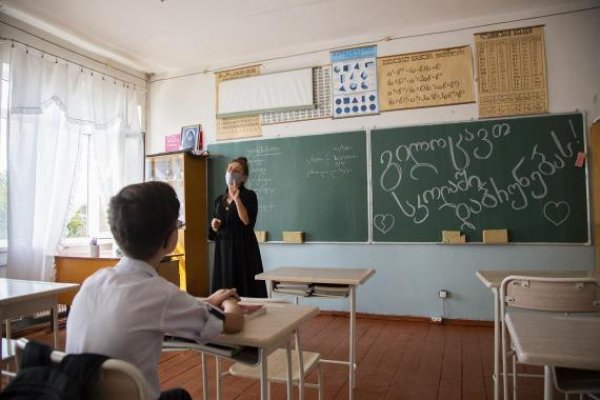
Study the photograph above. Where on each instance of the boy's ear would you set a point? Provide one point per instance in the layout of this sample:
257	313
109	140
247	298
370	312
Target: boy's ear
171	242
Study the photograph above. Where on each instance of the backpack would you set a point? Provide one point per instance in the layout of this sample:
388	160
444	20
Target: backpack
40	378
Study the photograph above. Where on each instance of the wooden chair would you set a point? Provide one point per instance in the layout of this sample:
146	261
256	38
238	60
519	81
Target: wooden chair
543	294
117	379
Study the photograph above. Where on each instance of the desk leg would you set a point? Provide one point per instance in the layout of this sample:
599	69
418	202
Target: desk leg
204	377
300	366
264	380
218	376
496	377
55	324
2	355
548	383
288	358
352	351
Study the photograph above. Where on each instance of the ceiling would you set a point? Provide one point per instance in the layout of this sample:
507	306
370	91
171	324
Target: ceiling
171	36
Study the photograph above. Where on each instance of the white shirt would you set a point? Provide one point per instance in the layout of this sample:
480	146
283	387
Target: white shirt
124	312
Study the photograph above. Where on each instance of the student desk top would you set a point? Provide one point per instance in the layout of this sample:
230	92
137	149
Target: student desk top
261	336
548	339
350	277
492	279
19	298
334	276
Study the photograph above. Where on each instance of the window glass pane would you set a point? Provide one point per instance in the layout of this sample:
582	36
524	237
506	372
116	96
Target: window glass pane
77	225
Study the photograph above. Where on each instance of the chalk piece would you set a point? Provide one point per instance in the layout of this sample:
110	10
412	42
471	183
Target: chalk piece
452	237
293	237
495	236
261	236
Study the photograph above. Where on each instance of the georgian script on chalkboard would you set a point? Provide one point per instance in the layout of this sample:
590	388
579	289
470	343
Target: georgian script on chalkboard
426	79
260	156
333	164
480	176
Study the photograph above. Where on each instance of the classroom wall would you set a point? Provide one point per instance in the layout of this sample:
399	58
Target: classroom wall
409	276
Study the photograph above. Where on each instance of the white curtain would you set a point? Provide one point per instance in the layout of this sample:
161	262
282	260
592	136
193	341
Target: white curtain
52	105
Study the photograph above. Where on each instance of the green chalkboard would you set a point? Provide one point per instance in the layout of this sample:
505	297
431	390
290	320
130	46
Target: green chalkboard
314	184
518	174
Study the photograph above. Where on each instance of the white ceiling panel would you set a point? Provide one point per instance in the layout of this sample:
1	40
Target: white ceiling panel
178	35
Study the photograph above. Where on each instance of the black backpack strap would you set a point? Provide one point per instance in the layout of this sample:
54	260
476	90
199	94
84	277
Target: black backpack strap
35	355
82	367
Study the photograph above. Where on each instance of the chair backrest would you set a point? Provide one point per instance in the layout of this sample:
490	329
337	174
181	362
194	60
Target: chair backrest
117	379
544	294
567	295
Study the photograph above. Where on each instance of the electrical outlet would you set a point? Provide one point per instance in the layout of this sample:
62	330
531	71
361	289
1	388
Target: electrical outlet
443	294
436	320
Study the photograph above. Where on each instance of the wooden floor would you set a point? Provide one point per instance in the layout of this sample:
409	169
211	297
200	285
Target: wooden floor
396	360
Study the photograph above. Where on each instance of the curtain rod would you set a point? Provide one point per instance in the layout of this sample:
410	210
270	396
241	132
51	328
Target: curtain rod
62	59
71	51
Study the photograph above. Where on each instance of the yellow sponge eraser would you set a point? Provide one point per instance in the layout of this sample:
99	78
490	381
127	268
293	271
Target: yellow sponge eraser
495	236
261	236
452	237
293	237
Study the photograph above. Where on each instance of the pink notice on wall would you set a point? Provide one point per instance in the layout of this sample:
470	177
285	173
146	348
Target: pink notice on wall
172	142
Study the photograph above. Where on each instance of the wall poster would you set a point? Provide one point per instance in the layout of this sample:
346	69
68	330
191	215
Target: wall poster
426	79
322	101
512	72
354	80
237	127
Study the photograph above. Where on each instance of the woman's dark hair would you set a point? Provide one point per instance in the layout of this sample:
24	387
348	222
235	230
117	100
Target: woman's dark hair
243	161
141	217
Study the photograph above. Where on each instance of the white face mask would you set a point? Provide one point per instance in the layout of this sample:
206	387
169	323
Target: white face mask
233	177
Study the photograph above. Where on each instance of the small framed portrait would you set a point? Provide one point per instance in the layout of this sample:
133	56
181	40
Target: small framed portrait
191	137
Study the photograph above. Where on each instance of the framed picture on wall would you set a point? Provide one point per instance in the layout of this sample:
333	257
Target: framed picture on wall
191	137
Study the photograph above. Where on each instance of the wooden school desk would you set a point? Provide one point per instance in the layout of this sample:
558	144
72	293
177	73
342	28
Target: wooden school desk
492	280
350	277
260	337
548	339
19	298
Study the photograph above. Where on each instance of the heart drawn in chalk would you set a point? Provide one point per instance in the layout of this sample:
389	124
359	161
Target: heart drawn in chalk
384	222
557	212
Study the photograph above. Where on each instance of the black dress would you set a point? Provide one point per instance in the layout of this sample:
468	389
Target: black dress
237	255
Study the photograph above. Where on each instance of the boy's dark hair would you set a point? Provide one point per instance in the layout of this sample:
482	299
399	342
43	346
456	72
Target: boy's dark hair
141	217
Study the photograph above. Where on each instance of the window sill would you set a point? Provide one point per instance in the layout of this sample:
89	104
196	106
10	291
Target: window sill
83	250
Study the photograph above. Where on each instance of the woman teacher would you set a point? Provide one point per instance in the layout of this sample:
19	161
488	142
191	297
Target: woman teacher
237	255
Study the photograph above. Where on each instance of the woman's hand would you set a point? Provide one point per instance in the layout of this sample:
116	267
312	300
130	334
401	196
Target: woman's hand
215	224
234	191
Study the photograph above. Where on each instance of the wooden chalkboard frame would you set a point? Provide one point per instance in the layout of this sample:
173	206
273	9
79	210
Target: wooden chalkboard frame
582	235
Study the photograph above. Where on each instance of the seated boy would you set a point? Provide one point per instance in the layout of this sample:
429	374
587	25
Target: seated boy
124	312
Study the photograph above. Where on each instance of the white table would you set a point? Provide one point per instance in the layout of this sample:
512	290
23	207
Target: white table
492	280
550	339
264	334
350	277
19	298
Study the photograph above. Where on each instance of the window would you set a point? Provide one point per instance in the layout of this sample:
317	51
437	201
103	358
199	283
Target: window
88	213
88	207
87	216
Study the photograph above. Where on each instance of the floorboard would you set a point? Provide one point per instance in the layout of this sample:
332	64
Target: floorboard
396	360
